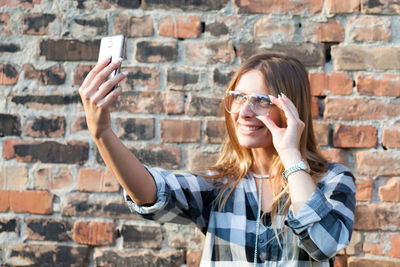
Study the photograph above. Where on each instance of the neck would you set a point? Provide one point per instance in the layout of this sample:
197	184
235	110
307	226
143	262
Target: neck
262	160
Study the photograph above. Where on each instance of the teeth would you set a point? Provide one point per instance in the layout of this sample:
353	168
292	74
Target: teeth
249	128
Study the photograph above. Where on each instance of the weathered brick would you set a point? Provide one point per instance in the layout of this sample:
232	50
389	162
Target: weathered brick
382	7
174	102
310	54
44	254
203	53
139	102
350	136
383	163
329	31
322	132
343	6
69	50
133	26
193	258
105	4
203	106
141	236
365	188
180	131
46	102
38	23
46	152
331	83
222	78
390	191
179	78
94	233
24	3
356	242
191	5
5	23
275	29
9	125
89	25
80	73
217	29
369	28
97	180
79	124
141	78
168	157
45	127
9	48
79	204
8	74
356	109
180	26
364	58
368	261
156	51
198	160
278	7
391	138
9	226
335	155
54	75
49	179
375	216
135	128
36	202
384	84
382	244
13	177
214	131
183	236
47	229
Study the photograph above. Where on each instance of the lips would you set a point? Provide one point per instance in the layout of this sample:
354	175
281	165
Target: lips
249	128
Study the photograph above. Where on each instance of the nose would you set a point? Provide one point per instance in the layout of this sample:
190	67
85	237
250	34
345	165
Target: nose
246	110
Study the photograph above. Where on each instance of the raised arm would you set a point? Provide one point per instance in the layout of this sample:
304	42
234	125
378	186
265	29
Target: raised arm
97	94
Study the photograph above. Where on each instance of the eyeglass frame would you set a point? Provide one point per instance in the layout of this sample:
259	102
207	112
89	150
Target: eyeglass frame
247	98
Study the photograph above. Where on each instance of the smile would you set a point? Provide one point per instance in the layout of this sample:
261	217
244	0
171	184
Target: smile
249	128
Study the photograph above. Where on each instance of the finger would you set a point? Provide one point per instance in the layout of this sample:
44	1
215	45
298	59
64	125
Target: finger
99	66
290	105
108	99
288	112
107	87
102	76
269	123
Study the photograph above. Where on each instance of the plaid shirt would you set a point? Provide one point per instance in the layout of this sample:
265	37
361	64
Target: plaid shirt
321	228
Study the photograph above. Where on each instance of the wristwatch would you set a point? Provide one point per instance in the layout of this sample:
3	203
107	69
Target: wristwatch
301	166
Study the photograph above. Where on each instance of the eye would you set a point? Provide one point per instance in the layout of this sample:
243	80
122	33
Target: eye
263	101
238	97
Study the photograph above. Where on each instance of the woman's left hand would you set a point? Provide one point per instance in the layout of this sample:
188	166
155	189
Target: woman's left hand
286	140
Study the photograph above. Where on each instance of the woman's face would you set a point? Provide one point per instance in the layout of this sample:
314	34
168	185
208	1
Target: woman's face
250	131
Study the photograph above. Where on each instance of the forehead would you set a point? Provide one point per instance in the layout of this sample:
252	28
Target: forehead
252	82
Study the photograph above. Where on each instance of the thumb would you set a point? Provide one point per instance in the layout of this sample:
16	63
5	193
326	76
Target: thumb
268	122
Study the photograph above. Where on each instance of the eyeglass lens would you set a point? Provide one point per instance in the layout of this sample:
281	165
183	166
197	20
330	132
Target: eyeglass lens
259	104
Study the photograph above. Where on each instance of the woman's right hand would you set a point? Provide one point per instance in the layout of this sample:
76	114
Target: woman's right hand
98	94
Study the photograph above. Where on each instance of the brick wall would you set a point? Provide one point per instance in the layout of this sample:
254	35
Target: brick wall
58	202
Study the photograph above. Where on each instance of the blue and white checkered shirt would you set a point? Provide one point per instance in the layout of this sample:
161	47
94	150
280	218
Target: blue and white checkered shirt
321	228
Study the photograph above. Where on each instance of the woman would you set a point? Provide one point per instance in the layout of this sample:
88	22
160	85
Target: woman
270	200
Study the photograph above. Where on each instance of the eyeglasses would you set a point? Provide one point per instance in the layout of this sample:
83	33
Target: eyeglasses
259	104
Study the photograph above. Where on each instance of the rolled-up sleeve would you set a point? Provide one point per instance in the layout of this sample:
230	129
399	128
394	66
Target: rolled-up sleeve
324	224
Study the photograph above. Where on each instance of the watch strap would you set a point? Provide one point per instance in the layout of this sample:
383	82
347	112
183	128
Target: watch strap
295	168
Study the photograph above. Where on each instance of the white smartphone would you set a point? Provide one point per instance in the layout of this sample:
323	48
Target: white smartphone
111	46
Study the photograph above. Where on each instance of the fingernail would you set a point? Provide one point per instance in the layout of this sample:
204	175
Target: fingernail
125	73
283	95
271	96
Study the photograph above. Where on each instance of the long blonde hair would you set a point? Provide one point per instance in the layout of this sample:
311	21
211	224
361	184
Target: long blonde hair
282	74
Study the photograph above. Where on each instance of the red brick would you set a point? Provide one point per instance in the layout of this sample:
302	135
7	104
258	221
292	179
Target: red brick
8	74
365	187
140	102
133	26
356	242
375	216
274	29
203	106
36	202
174	102
214	132
24	3
394	240
278	7
141	78
180	131
391	138
5	23
180	26
96	180
79	124
335	155
384	84
156	51
367	262
383	163
193	258
382	244
45	127
333	83
54	75
314	107
44	102
321	131
390	191
50	179
182	78
13	177
349	136
94	233
365	58
356	109
369	28
80	73
198	160
135	128
343	6
203	53
69	50
329	31
38	23
383	7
